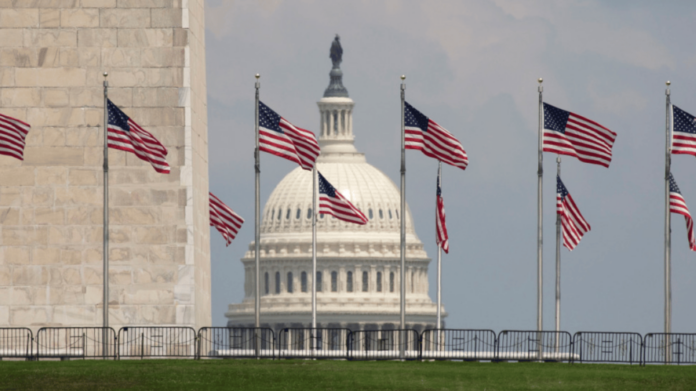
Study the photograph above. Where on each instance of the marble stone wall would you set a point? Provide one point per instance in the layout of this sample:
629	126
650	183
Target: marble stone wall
52	56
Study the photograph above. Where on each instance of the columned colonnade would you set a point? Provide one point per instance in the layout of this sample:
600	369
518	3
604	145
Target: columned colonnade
336	119
383	279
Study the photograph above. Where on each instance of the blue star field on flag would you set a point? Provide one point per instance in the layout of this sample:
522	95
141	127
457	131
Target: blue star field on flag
560	188
117	117
555	119
415	118
269	119
673	188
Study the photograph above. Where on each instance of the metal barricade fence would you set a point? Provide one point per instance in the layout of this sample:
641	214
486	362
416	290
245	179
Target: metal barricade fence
669	348
76	342
339	343
235	342
598	346
16	342
467	345
525	345
156	342
383	345
313	343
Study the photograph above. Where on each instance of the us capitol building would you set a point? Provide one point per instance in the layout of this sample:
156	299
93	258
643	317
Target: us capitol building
357	265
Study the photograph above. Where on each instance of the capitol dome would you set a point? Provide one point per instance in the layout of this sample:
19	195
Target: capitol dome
358	284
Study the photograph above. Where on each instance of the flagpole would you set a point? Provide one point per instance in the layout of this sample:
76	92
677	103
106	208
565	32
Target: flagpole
540	222
668	229
439	264
314	255
558	265
105	227
257	218
402	324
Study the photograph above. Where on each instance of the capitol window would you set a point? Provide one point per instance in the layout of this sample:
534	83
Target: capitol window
364	282
379	281
390	214
413	278
381	216
309	213
370	213
289	282
280	213
277	282
299	213
391	282
266	280
287	215
304	281
321	216
334	282
397	214
272	214
349	282
318	281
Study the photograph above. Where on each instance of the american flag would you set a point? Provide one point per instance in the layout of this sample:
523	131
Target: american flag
440	226
684	134
678	205
126	135
224	219
281	138
569	134
12	135
573	225
331	202
432	139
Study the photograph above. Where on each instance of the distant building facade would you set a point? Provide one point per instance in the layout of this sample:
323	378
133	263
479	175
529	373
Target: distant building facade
358	278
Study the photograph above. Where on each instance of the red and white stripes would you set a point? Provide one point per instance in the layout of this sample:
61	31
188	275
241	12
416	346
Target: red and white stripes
224	219
142	143
437	143
433	140
333	203
573	224
13	133
441	236
677	205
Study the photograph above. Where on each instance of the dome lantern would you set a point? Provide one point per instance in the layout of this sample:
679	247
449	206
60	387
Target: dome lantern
336	112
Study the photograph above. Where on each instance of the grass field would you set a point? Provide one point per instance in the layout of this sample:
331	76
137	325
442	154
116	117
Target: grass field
336	375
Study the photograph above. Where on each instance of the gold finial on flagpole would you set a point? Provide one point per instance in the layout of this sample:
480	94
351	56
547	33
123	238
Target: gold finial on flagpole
403	77
106	74
257	76
541	80
668	82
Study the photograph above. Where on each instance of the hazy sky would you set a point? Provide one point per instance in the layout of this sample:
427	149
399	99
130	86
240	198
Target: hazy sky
473	67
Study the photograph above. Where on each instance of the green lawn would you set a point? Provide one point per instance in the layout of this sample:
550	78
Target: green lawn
336	375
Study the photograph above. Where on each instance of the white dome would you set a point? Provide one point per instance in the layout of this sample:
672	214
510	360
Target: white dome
286	225
287	214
